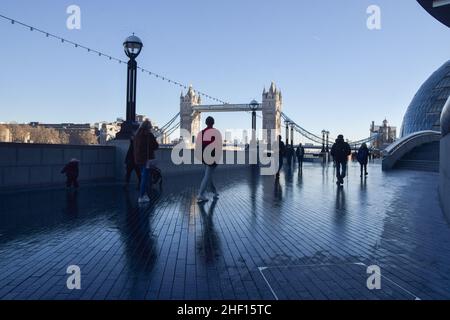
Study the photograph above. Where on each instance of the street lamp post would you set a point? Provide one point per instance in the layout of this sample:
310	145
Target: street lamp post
254	106
253	151
323	141
292	134
132	46
287	133
328	142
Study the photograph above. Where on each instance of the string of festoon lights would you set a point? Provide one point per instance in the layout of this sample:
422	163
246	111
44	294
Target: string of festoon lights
107	56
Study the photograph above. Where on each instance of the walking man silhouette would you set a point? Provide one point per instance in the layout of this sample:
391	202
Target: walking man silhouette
340	152
209	143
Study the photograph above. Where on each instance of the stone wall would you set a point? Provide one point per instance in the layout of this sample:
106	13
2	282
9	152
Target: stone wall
37	165
164	161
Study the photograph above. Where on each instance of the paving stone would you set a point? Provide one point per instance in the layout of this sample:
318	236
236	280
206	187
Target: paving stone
311	239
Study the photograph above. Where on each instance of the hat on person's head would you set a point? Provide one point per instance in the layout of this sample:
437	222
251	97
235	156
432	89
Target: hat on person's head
209	121
147	124
341	136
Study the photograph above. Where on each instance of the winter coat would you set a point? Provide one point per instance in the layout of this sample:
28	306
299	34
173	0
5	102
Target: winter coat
71	169
300	152
282	151
363	155
202	137
129	158
340	151
144	148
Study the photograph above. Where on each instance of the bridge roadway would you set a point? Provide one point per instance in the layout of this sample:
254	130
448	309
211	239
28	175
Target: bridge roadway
297	238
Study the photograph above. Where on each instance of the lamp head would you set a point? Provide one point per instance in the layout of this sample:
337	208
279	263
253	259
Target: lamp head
132	46
254	105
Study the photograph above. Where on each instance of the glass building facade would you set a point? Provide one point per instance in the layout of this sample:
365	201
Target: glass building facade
424	112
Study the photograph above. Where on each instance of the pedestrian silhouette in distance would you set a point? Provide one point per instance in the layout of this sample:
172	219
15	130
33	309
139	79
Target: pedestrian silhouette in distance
281	154
363	158
340	151
71	170
205	138
130	164
145	145
300	154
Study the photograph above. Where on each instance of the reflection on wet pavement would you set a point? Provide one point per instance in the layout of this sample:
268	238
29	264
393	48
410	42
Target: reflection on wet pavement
176	249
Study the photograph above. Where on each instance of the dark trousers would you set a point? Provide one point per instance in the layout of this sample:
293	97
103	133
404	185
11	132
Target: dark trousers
363	168
280	165
300	162
341	170
72	181
289	161
130	169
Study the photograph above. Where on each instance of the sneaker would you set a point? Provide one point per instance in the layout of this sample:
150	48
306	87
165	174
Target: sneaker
201	199
367	173
144	199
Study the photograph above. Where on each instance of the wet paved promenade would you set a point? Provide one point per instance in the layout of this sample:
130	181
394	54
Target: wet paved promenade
301	238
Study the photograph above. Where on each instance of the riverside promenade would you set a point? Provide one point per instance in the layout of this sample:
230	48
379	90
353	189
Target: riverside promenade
297	238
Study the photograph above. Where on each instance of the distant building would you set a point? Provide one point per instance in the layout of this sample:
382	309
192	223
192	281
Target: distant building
386	134
245	137
424	112
5	134
66	127
228	136
108	131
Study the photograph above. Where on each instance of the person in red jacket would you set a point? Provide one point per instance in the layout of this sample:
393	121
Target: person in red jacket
209	141
71	172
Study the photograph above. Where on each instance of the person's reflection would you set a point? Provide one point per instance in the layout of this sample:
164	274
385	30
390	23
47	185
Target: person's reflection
278	192
254	183
209	245
324	173
139	244
72	203
300	179
363	191
340	200
289	175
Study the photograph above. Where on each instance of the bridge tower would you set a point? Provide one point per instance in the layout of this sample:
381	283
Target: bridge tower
190	119
272	102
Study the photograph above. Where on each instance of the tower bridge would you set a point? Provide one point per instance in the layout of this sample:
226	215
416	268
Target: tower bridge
270	108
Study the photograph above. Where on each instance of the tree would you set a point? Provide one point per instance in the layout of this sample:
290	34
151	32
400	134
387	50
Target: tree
64	138
20	133
84	137
44	135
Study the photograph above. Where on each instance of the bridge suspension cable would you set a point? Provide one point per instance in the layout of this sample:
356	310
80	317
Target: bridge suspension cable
309	135
169	127
318	139
366	140
107	56
172	130
168	124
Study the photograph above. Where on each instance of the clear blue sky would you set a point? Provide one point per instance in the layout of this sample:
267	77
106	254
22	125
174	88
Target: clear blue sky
334	72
